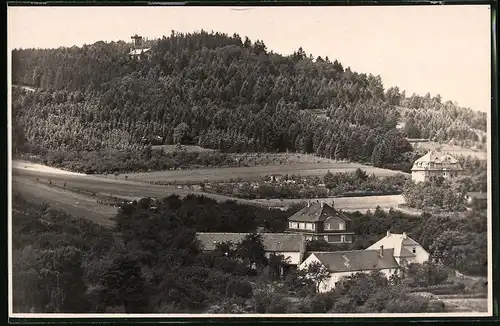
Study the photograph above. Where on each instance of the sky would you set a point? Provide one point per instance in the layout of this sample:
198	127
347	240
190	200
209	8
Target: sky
437	49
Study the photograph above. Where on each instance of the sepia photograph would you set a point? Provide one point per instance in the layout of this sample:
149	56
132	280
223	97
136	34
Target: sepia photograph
312	161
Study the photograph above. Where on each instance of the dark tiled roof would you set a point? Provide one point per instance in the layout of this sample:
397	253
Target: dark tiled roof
272	241
317	212
359	260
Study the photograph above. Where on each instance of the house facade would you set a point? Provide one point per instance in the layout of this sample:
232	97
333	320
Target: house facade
342	264
405	248
434	165
321	221
291	246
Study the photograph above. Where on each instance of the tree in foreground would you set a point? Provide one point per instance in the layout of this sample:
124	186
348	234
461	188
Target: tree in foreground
251	251
318	273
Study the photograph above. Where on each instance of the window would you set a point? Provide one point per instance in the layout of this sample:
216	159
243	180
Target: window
342	238
341	226
334	238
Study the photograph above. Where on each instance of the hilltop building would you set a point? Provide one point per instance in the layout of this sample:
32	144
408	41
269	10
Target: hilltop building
434	165
321	221
138	50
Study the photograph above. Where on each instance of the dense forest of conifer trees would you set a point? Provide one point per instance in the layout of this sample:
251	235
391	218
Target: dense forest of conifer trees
221	92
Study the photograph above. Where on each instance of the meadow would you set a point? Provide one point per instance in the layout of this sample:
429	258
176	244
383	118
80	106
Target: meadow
248	173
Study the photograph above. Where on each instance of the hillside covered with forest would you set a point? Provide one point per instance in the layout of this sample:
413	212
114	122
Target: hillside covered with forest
221	92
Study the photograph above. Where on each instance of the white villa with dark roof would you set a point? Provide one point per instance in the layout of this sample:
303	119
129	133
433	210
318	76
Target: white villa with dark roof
342	264
433	165
386	255
321	221
405	248
291	246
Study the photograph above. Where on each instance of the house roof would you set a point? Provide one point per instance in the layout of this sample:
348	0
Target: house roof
396	242
477	194
405	253
317	212
359	260
435	157
278	242
138	51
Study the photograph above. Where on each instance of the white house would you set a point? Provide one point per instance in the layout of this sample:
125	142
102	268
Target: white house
342	264
405	248
435	164
291	246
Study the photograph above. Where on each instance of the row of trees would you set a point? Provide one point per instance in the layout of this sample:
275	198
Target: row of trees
356	183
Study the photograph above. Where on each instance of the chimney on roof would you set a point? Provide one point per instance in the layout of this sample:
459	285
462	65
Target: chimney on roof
308	203
381	251
388	233
404	235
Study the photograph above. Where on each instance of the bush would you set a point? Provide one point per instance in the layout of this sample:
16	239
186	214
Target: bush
435	306
322	302
455	288
239	288
269	302
407	304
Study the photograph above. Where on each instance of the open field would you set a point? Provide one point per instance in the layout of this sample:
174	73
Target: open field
34	183
71	203
453	150
253	172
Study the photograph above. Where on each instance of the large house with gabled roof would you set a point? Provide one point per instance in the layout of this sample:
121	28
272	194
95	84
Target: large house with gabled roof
321	221
342	264
433	165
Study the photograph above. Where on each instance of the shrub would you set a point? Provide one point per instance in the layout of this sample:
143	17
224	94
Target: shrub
407	304
265	301
239	288
322	302
455	288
